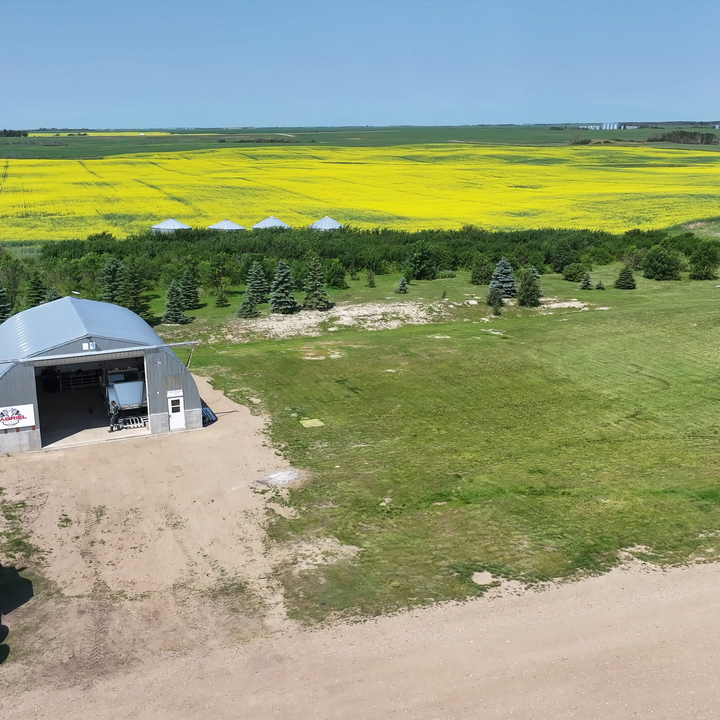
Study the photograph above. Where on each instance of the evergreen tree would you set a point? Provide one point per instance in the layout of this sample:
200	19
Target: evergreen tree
495	299
585	283
529	292
503	279
704	261
257	284
402	286
281	297
5	307
370	279
36	291
189	292
481	270
221	296
130	288
421	263
51	294
600	285
315	295
248	307
625	281
174	306
109	280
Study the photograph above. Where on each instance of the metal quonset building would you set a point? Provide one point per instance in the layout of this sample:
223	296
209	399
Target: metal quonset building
55	360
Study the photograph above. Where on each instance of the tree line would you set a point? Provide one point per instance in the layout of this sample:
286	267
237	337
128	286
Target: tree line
103	267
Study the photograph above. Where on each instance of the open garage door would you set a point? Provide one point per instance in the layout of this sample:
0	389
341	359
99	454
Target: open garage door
73	395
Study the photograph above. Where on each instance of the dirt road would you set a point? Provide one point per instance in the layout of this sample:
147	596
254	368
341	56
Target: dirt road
631	644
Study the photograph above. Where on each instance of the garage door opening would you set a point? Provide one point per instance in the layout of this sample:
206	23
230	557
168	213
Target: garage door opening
73	401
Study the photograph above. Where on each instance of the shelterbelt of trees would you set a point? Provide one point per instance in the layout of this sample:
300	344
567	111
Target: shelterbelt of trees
219	260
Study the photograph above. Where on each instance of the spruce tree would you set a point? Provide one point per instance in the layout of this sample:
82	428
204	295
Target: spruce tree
257	283
189	292
109	280
625	281
36	291
495	299
221	296
600	285
5	307
585	283
51	294
174	306
315	295
481	270
281	297
402	286
529	292
503	279
130	287
370	278
248	307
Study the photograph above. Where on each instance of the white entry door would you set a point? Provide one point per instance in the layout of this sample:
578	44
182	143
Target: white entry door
176	411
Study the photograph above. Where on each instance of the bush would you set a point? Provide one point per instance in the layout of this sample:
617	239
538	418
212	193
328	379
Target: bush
661	264
481	270
335	275
529	292
495	299
574	272
704	261
444	274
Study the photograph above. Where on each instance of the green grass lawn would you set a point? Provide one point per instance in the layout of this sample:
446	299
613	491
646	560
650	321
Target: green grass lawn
537	453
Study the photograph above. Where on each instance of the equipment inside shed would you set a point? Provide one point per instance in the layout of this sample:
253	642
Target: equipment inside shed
73	399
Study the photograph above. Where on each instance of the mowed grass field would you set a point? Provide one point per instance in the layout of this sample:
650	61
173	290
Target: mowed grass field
537	451
411	187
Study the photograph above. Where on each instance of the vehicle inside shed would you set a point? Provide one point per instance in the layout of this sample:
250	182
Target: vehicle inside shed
73	400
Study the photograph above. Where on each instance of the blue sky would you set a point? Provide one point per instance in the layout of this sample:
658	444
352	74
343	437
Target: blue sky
223	63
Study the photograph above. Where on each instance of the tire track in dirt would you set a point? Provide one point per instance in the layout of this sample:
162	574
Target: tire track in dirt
94	648
176	524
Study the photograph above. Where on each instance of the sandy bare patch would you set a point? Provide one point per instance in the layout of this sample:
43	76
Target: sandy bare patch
365	316
554	303
315	554
160	539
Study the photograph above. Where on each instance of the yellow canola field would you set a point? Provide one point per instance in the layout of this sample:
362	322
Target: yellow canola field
411	187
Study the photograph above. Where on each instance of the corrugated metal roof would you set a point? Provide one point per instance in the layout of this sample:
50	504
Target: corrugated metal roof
169	225
270	222
226	225
41	329
326	223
